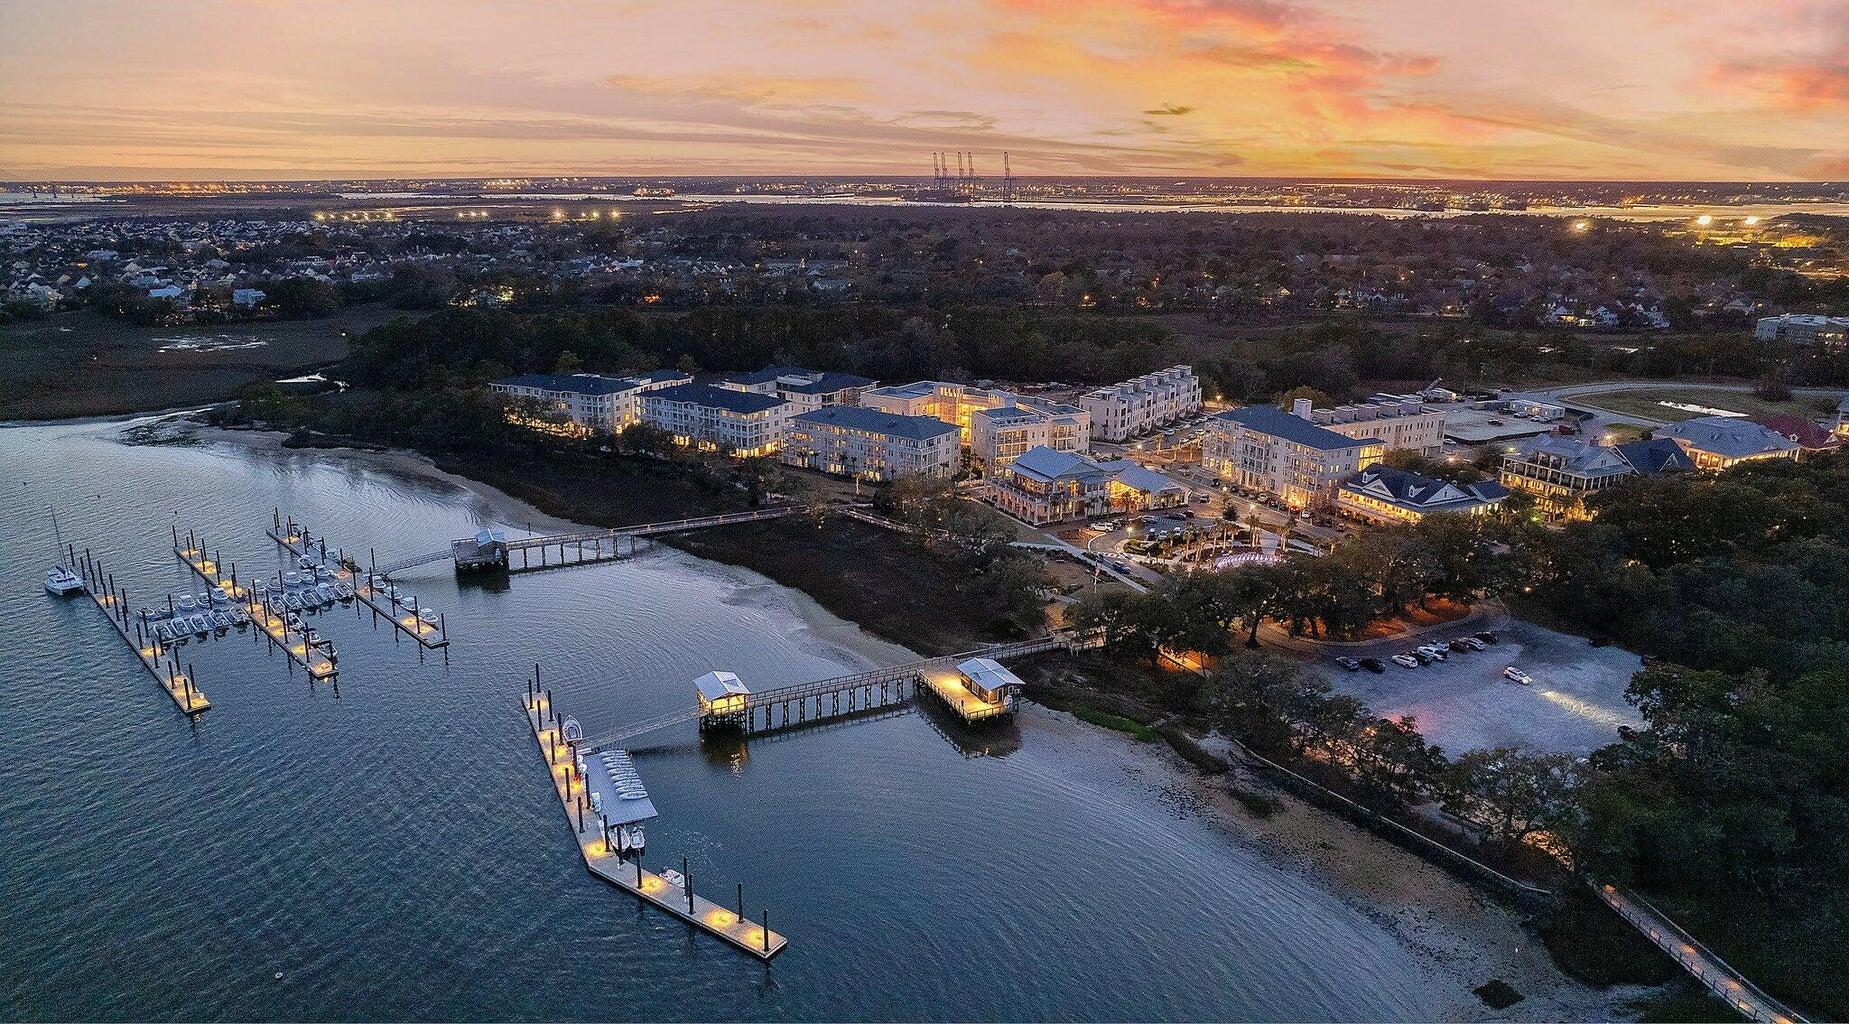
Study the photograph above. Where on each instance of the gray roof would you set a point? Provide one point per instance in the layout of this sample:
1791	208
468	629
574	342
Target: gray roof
742	402
574	383
816	382
1730	437
856	417
1423	493
1653	456
1047	464
1267	419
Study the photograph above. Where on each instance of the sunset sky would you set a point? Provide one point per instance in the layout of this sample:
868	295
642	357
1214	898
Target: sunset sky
1700	89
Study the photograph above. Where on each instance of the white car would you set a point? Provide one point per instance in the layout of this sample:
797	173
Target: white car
1405	661
1514	674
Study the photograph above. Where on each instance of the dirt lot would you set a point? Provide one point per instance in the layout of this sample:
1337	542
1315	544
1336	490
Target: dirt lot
1648	403
80	364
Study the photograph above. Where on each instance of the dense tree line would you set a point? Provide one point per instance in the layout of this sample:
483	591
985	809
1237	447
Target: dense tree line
1735	586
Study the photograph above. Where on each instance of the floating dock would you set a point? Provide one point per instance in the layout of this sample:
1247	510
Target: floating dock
404	617
316	663
570	786
154	656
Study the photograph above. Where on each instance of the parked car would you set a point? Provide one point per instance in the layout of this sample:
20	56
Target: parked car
1373	665
1437	652
1517	675
1460	646
1405	661
1472	642
1100	527
1425	657
1487	636
1348	664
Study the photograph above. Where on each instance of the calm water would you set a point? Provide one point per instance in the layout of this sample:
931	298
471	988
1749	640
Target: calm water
394	850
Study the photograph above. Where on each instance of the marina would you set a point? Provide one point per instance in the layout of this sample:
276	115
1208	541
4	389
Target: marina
588	797
156	657
283	632
425	625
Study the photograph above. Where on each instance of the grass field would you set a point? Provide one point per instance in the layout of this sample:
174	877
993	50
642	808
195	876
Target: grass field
81	364
1648	403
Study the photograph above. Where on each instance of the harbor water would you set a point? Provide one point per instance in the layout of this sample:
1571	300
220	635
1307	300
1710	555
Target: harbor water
389	849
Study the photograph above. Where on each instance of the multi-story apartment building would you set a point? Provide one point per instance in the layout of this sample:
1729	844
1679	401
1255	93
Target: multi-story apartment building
1264	448
1045	486
1141	404
996	425
1808	329
1561	472
719	419
999	436
855	441
1408	426
1717	442
1381	494
582	404
803	389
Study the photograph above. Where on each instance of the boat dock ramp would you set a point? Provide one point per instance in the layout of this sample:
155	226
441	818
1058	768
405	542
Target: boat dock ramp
491	549
156	657
314	660
428	627
591	795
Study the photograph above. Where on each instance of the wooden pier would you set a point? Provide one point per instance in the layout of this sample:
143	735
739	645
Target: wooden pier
159	660
881	689
584	547
601	859
295	537
313	660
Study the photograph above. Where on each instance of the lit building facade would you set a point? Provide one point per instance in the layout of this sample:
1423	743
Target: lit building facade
582	404
1141	404
1263	448
805	390
1044	486
1400	426
1386	496
1559	473
854	441
721	420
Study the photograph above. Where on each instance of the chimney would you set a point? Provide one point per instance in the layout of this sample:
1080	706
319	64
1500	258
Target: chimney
1300	408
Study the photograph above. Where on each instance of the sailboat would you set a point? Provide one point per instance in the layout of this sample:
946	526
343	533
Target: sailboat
60	579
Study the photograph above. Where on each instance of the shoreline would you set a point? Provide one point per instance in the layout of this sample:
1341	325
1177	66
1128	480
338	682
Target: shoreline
1460	936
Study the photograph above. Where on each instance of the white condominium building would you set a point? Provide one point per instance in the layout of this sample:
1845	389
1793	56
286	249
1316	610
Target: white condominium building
1122	411
1264	448
803	389
853	441
1411	426
1012	424
999	436
718	419
583	403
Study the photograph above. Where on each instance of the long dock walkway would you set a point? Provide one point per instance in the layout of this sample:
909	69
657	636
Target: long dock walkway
295	537
313	660
1703	964
569	785
582	547
804	704
160	662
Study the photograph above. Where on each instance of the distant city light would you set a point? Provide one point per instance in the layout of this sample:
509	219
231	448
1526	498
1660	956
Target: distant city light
1750	221
1704	220
1582	225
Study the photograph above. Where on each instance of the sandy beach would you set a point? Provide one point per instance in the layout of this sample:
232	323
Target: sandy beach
1463	938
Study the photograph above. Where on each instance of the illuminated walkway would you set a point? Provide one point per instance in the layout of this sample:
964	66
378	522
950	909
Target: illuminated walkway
1706	966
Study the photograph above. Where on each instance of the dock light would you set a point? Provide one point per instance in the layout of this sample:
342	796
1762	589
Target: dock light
721	918
650	883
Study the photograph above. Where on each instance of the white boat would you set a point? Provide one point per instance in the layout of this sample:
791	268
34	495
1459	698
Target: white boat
305	562
293	603
60	580
221	622
185	604
199	625
239	616
325	593
291	578
673	878
630	838
293	621
429	615
163	632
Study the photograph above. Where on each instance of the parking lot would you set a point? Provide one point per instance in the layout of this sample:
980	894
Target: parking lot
1574	704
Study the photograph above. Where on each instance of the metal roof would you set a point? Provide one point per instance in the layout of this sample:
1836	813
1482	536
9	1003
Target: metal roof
1728	436
742	402
714	685
1267	419
572	383
855	417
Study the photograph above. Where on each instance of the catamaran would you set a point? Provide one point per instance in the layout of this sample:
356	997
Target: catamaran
60	580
